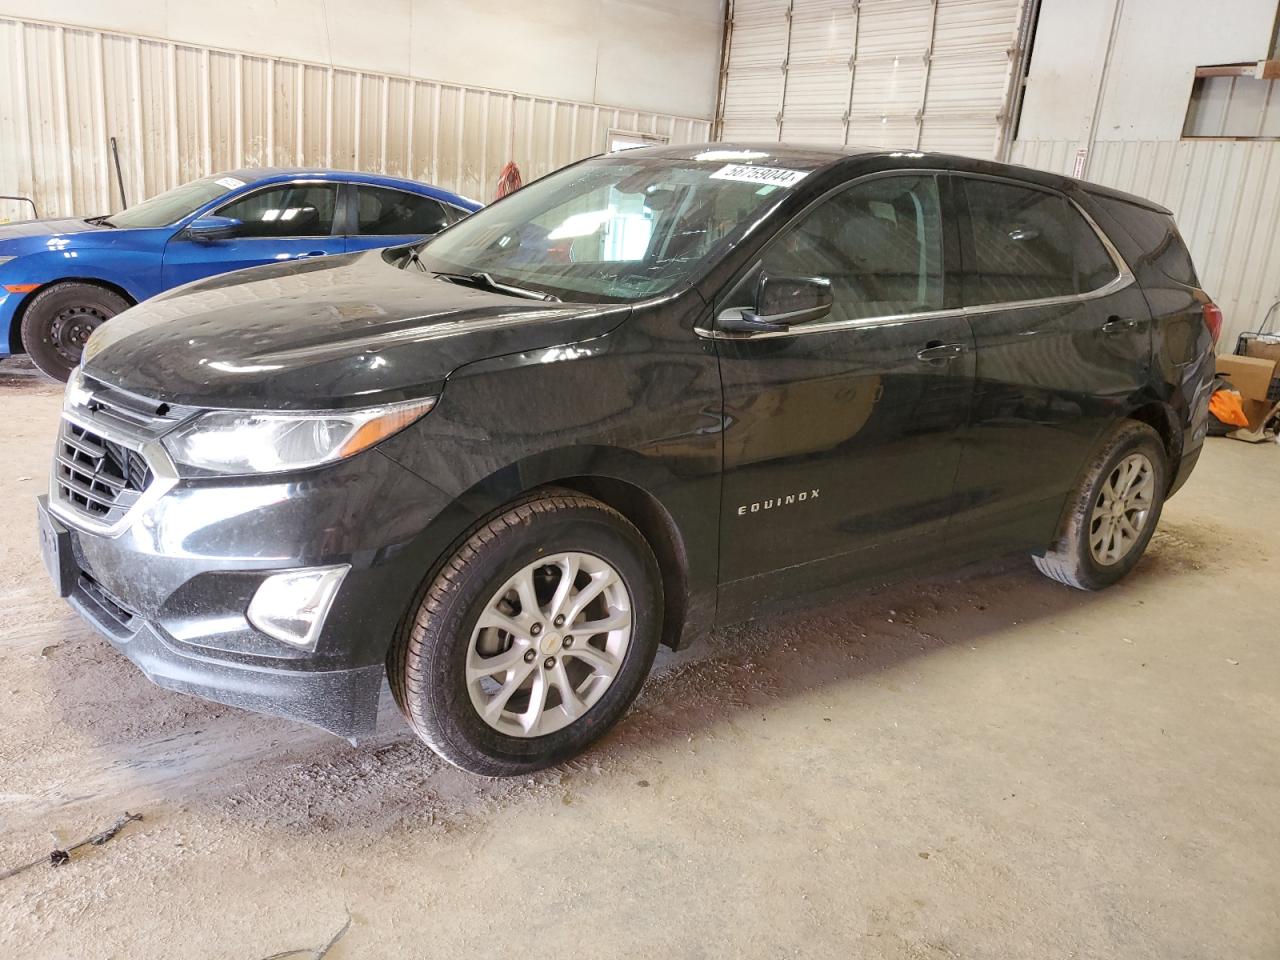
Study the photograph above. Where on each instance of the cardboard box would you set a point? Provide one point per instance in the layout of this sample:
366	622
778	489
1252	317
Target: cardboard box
1250	375
1263	347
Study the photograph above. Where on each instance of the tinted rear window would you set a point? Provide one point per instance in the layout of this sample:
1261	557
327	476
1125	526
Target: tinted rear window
1157	236
1028	245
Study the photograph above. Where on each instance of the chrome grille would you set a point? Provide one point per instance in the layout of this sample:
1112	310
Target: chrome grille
98	477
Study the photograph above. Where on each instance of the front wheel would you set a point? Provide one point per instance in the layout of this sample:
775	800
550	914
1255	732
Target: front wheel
57	323
533	638
1112	512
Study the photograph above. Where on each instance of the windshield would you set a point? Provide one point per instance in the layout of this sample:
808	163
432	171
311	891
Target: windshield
172	205
614	229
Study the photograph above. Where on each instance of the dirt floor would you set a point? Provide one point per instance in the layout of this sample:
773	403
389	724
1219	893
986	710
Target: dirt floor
983	764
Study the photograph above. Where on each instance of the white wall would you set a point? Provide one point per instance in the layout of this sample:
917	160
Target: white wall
1159	44
182	110
1224	194
661	56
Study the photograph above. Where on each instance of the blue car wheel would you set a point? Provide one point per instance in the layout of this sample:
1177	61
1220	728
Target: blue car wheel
58	321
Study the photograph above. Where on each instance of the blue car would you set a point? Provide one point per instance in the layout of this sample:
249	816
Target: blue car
60	279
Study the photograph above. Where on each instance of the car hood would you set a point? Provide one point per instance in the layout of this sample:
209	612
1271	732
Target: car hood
32	235
331	332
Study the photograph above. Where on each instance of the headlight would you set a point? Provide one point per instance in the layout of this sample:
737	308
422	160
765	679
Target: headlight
4	260
248	441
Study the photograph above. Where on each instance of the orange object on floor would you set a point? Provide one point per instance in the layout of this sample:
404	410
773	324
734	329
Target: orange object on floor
1227	406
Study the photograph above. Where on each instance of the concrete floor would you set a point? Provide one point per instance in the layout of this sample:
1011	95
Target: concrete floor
984	764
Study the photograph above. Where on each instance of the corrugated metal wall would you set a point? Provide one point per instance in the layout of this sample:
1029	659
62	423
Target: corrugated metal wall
181	111
1225	196
914	74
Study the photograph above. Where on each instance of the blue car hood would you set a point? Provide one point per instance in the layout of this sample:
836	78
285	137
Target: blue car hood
31	236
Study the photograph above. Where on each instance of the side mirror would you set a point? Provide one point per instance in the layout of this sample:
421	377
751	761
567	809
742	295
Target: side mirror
780	302
211	227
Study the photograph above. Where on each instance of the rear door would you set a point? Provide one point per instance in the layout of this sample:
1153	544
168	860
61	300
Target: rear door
384	217
842	436
1063	338
286	221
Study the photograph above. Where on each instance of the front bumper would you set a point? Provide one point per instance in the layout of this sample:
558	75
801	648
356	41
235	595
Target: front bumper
344	702
170	583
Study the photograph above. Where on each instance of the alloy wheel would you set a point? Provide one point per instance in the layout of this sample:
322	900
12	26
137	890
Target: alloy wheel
1122	510
548	644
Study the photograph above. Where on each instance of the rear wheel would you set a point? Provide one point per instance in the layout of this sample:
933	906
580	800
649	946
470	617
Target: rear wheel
532	639
57	323
1113	510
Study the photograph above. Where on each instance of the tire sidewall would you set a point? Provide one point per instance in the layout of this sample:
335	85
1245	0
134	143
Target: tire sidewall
37	321
1143	441
444	699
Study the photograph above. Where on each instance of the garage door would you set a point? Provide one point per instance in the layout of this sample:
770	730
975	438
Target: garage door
916	74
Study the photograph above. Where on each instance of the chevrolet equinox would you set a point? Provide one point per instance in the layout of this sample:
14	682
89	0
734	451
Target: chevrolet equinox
650	392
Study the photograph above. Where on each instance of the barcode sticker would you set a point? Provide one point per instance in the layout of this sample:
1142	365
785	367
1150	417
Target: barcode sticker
231	183
772	176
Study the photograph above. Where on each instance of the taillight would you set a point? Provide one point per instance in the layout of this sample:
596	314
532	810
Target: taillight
1213	320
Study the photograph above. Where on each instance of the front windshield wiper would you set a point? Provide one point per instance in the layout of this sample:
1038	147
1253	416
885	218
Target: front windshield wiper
485	281
102	221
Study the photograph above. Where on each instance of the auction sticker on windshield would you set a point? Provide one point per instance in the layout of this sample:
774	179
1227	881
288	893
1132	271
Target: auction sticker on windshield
772	176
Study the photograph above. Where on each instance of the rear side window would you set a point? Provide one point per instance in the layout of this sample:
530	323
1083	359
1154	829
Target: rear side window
1029	244
1157	237
386	212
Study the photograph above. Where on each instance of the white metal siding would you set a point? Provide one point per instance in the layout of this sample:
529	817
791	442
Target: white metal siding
915	74
1225	197
180	111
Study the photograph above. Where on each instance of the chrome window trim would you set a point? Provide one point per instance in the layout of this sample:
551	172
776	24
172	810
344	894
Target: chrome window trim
164	478
1124	276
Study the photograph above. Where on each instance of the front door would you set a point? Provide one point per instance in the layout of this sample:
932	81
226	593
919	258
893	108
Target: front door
842	436
291	221
1063	346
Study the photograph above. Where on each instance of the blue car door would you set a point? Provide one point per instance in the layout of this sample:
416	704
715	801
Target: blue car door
283	221
385	217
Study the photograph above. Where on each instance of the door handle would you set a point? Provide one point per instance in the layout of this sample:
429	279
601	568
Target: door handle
937	352
1118	324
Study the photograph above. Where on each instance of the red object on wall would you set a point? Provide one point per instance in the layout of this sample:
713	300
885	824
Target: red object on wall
509	180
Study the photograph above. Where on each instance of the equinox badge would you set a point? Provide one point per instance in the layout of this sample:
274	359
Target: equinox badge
783	501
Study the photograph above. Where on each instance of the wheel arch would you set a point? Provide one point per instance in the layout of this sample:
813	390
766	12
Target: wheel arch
1160	417
624	480
15	325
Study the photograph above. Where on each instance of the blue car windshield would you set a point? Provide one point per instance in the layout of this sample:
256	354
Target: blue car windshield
613	229
172	205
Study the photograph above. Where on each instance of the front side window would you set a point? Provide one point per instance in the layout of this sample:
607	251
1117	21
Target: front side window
879	242
1029	245
613	229
291	210
382	211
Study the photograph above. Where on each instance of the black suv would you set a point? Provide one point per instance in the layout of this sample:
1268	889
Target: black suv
650	392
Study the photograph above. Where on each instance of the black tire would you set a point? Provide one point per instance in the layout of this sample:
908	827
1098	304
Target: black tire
426	663
58	321
1070	559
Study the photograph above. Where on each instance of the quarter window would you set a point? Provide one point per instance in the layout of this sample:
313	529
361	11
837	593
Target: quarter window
1028	245
386	212
879	242
293	210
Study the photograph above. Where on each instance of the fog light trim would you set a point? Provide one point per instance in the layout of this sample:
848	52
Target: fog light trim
291	606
